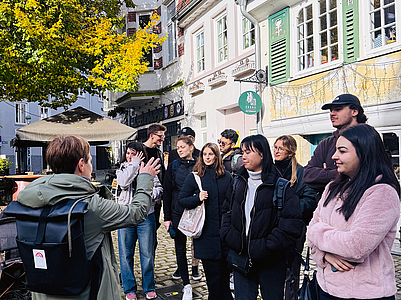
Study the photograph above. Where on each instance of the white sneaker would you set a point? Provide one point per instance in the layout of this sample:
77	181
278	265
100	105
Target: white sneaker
232	281
187	292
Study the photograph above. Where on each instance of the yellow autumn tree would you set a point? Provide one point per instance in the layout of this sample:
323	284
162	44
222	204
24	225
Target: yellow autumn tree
53	50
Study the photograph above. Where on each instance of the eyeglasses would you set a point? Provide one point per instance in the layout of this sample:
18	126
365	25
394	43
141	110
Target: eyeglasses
223	143
280	149
162	136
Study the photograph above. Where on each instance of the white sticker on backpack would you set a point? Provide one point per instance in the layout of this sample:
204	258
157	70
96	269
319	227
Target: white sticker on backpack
39	257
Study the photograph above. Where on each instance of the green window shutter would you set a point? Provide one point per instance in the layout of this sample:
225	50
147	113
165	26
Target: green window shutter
279	46
350	30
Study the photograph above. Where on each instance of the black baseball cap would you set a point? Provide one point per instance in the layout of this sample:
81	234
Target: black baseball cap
343	99
187	131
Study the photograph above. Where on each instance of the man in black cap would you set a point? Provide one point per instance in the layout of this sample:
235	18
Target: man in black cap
189	132
345	111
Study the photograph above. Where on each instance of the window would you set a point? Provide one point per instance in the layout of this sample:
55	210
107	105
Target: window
20	112
44	112
328	31
382	22
148	56
171	30
203	129
248	33
221	39
200	52
317	34
305	45
392	144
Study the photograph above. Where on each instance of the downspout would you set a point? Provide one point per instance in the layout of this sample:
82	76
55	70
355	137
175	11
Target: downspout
242	4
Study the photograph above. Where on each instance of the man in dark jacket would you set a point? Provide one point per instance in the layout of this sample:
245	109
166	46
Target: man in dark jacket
345	111
232	158
189	132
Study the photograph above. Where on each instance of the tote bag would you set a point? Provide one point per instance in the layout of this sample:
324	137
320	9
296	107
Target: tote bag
192	220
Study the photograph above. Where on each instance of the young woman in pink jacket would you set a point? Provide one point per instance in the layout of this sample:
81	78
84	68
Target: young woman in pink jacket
354	226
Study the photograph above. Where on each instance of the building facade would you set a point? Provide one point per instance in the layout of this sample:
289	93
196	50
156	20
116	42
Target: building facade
14	115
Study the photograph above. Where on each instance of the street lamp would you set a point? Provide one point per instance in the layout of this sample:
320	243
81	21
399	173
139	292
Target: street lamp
242	4
28	119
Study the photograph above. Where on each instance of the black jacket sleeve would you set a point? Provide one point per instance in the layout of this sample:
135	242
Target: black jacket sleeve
307	196
168	193
289	228
189	195
315	175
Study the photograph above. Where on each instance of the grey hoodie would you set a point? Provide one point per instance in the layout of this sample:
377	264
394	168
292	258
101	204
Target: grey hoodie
103	216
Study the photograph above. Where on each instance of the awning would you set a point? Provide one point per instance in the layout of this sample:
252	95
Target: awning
95	128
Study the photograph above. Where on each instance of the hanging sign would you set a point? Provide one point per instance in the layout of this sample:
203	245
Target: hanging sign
250	102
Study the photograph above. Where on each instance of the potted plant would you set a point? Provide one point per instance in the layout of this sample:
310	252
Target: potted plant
5	165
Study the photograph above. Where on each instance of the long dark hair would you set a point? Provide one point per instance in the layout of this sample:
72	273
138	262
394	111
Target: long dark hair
138	147
258	143
200	166
373	162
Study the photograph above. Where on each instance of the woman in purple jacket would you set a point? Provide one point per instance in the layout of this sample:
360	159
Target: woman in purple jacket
354	226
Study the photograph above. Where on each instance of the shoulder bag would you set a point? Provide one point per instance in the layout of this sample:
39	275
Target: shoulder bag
192	220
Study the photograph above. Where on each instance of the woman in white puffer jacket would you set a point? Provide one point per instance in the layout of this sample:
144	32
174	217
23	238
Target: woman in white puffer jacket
144	232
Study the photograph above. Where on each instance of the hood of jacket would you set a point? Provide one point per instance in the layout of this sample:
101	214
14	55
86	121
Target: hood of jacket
52	189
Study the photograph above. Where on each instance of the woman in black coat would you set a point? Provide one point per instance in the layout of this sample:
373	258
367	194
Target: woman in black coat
251	227
209	247
285	148
176	173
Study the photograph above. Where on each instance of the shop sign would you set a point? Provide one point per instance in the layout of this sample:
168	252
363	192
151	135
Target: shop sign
250	102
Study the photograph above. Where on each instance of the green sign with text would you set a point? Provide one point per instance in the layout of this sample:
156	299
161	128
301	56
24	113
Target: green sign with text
250	103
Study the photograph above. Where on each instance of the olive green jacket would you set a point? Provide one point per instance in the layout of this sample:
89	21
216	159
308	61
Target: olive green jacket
102	217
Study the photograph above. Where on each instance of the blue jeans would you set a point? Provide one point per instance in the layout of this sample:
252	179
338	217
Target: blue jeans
145	233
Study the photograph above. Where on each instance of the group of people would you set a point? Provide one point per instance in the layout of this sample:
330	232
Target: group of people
347	195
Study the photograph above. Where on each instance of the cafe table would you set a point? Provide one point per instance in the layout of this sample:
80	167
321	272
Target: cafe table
20	182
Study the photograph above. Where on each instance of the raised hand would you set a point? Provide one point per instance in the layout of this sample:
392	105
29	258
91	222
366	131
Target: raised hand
152	167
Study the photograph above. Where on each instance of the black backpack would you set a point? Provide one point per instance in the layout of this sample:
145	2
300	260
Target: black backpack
52	247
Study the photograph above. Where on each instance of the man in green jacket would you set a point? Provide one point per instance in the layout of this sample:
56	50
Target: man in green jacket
70	159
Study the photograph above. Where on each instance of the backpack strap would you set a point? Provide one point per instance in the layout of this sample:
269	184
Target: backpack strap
279	193
174	171
198	181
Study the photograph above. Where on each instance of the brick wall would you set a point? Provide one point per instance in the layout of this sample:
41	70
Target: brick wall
157	49
131	31
182	3
131	17
180	32
180	49
158	63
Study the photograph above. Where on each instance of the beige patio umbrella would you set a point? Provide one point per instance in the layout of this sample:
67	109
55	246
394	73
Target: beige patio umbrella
95	128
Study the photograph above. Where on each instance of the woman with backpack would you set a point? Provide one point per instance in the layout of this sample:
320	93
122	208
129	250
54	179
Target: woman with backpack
354	226
209	247
144	232
176	173
287	167
251	226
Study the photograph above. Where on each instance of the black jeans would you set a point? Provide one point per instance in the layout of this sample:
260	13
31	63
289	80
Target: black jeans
180	243
217	279
270	279
325	296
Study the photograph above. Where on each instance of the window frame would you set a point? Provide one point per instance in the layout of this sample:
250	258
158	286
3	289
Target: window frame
20	115
225	46
318	63
242	34
367	30
41	109
171	38
195	37
139	16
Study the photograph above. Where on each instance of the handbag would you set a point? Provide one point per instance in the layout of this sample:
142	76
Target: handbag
309	288
239	263
192	220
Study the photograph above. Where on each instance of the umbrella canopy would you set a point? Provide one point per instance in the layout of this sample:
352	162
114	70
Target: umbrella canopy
95	128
